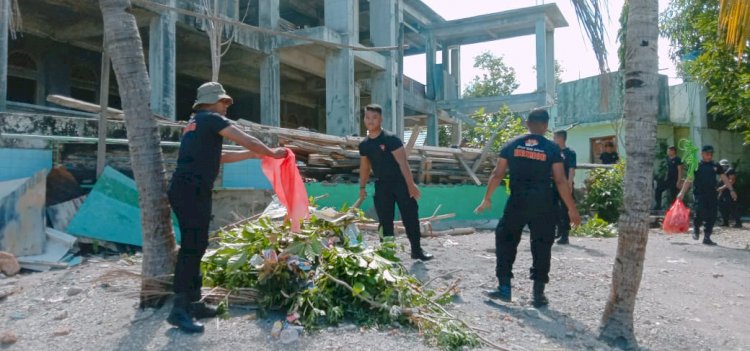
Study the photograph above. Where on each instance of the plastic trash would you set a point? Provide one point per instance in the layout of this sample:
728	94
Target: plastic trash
352	233
289	335
677	219
287	183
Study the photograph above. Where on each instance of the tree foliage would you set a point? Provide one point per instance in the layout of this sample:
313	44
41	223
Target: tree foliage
497	78
702	56
489	123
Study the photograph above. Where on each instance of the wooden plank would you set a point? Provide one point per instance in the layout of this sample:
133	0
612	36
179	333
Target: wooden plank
487	148
468	170
412	139
101	148
84	106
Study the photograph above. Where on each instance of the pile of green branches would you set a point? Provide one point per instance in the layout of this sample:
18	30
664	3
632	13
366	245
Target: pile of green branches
595	227
327	274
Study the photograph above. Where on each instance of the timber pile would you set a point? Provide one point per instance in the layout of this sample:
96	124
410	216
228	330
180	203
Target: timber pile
337	158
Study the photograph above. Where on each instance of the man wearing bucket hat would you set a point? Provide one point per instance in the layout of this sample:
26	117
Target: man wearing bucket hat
190	194
706	196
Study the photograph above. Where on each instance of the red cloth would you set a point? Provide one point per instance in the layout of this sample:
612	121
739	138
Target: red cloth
288	186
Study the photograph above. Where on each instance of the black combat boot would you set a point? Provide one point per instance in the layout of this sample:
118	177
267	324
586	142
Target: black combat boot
563	239
197	308
180	315
416	250
538	298
503	292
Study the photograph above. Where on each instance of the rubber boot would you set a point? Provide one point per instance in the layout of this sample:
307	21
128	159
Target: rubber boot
417	252
503	292
538	298
199	309
180	315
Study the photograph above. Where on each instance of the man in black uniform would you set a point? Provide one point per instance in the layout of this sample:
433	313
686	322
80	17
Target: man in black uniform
671	183
569	165
384	154
706	196
190	195
728	207
534	162
609	156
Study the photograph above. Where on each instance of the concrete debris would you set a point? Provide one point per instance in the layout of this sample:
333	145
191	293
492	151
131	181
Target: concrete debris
73	291
9	264
62	331
8	338
61	316
56	249
22	215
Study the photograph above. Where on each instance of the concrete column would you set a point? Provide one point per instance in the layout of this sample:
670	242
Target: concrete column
4	38
541	55
162	66
456	131
446	85
432	128
270	69
342	118
456	72
550	59
430	65
400	64
384	32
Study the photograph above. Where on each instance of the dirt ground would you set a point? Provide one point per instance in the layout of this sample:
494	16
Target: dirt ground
693	297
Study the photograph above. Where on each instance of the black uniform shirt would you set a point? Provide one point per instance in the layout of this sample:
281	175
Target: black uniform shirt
379	151
200	149
530	158
672	165
609	158
726	195
705	178
569	160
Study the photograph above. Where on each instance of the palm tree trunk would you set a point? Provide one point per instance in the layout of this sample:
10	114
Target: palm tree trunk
126	49
640	110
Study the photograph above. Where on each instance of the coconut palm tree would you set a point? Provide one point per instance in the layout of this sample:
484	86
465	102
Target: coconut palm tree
126	50
734	24
640	111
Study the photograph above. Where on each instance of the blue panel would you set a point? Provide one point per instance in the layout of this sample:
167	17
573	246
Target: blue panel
244	174
23	163
111	211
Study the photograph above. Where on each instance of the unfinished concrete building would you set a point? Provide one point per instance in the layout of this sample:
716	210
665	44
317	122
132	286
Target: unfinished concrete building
278	80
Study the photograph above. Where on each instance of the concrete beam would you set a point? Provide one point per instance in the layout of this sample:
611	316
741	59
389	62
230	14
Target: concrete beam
302	60
162	65
4	38
516	103
317	33
430	66
541	55
270	70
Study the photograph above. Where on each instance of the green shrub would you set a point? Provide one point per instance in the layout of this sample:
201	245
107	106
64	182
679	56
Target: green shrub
595	227
604	192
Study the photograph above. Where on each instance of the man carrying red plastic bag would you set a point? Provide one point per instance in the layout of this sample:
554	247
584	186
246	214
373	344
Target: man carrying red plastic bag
677	219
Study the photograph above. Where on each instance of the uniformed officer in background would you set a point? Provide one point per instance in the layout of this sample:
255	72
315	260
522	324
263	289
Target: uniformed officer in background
728	207
705	193
671	182
533	162
569	164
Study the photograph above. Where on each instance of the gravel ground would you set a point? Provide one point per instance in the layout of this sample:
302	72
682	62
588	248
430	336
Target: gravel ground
693	297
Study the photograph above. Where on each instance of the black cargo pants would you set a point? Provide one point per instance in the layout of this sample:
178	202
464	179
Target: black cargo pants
532	206
192	205
706	208
562	224
387	195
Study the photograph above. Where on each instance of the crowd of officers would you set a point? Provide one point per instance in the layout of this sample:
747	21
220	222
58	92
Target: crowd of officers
541	174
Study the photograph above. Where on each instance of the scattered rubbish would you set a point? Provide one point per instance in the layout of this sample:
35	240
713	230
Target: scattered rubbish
111	211
56	250
62	331
22	215
290	334
717	275
8	338
9	264
276	329
61	214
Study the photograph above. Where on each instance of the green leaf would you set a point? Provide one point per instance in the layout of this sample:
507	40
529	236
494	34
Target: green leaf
358	289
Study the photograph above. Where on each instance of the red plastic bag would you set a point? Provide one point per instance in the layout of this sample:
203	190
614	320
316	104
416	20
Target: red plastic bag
288	186
677	219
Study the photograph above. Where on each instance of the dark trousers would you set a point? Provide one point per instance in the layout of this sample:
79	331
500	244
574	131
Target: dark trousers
533	208
729	209
387	195
705	207
192	205
562	224
670	187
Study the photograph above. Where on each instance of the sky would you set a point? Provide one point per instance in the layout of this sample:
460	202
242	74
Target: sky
572	48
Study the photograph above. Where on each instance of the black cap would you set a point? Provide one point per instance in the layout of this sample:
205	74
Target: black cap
538	115
707	148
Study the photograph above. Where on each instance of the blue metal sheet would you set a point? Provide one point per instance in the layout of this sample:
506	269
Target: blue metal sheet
244	174
23	163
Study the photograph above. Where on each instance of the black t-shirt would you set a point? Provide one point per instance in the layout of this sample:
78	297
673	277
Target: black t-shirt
705	178
530	158
672	165
609	158
200	149
569	160
379	151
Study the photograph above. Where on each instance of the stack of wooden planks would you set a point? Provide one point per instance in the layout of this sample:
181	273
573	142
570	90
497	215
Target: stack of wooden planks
337	158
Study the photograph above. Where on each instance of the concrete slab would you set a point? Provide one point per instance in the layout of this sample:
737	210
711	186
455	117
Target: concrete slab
22	215
111	211
61	214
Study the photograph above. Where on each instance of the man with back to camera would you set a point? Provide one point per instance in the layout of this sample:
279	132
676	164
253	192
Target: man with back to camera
534	162
671	183
384	154
705	194
728	207
609	156
569	164
190	195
